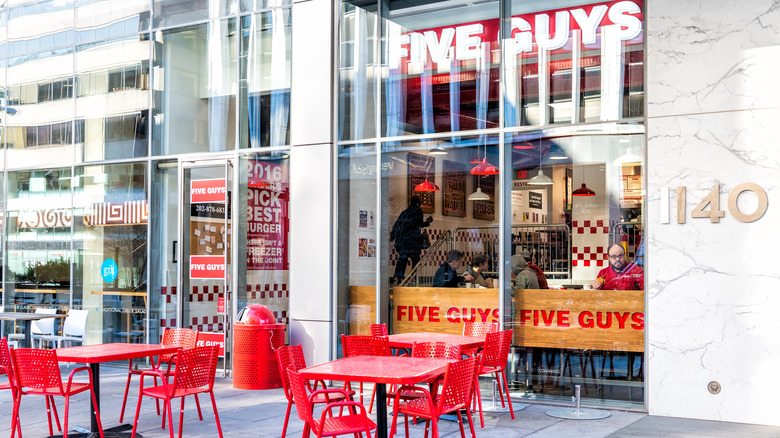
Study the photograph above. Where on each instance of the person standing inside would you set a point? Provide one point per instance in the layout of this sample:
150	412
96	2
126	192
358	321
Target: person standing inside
447	274
407	237
619	275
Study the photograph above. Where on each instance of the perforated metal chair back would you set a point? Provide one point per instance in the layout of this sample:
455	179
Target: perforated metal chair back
37	371
496	350
5	358
289	357
298	390
196	368
359	345
179	337
379	330
458	385
479	329
436	350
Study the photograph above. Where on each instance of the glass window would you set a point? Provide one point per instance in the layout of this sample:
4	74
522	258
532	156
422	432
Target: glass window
357	240
111	211
27	24
577	203
264	254
442	69
113	100
38	225
34	79
574	63
175	12
196	87
357	72
106	19
256	5
266	42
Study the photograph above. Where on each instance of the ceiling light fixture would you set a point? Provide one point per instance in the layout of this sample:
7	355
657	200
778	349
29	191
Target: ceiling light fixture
484	168
584	190
541	179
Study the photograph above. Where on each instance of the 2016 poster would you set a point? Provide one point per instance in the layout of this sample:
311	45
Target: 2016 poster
267	216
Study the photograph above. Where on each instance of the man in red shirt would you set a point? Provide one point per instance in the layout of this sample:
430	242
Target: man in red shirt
619	275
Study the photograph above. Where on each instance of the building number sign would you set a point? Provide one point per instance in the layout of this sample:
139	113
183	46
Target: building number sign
709	206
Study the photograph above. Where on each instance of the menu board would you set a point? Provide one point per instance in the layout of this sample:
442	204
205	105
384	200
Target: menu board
454	189
421	167
485	209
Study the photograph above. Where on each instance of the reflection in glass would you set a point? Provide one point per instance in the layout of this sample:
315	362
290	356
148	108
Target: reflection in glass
357	242
256	5
39	219
176	12
111	212
106	19
40	88
112	98
266	43
357	64
572	65
195	86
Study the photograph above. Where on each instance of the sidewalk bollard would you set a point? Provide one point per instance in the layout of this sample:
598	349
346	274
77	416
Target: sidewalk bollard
578	413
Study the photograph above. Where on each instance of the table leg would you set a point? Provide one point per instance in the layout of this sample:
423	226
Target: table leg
28	333
95	367
381	410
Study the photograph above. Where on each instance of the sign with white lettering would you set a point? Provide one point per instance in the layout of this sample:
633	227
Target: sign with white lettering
267	216
207	267
208	190
207	339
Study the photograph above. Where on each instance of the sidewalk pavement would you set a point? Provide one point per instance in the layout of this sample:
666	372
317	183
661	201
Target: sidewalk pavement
260	414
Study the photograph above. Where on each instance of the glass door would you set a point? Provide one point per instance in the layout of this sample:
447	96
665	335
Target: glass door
205	252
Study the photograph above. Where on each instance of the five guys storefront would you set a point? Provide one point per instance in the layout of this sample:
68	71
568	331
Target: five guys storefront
522	131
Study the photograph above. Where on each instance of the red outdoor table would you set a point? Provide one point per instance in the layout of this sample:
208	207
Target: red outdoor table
380	370
94	355
406	340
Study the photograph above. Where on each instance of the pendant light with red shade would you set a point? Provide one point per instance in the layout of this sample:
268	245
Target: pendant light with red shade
484	168
426	186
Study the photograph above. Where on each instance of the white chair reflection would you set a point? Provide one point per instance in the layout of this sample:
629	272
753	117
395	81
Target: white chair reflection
73	331
44	327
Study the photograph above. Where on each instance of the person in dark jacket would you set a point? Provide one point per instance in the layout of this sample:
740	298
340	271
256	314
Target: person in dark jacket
447	274
407	237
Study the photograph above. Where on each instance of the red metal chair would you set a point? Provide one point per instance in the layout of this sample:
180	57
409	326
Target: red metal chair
456	393
431	350
355	422
479	330
195	371
493	361
38	372
179	337
379	330
6	367
358	345
291	357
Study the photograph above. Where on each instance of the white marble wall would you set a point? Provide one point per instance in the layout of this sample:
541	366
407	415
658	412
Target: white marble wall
713	314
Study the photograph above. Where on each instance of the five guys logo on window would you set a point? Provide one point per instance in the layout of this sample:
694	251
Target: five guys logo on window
549	30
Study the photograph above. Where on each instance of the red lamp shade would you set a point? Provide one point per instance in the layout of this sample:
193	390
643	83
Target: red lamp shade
475	160
583	191
484	168
523	145
258	314
427	186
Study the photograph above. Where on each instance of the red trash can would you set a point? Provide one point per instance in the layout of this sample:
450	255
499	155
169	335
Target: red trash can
254	355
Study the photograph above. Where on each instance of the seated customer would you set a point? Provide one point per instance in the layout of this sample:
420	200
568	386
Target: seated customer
522	276
537	270
479	265
619	275
447	275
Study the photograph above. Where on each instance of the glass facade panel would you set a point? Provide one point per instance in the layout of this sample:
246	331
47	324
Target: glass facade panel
106	19
573	62
256	5
110	252
163	247
40	89
572	195
177	12
266	43
39	221
357	240
40	26
357	72
112	98
195	89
